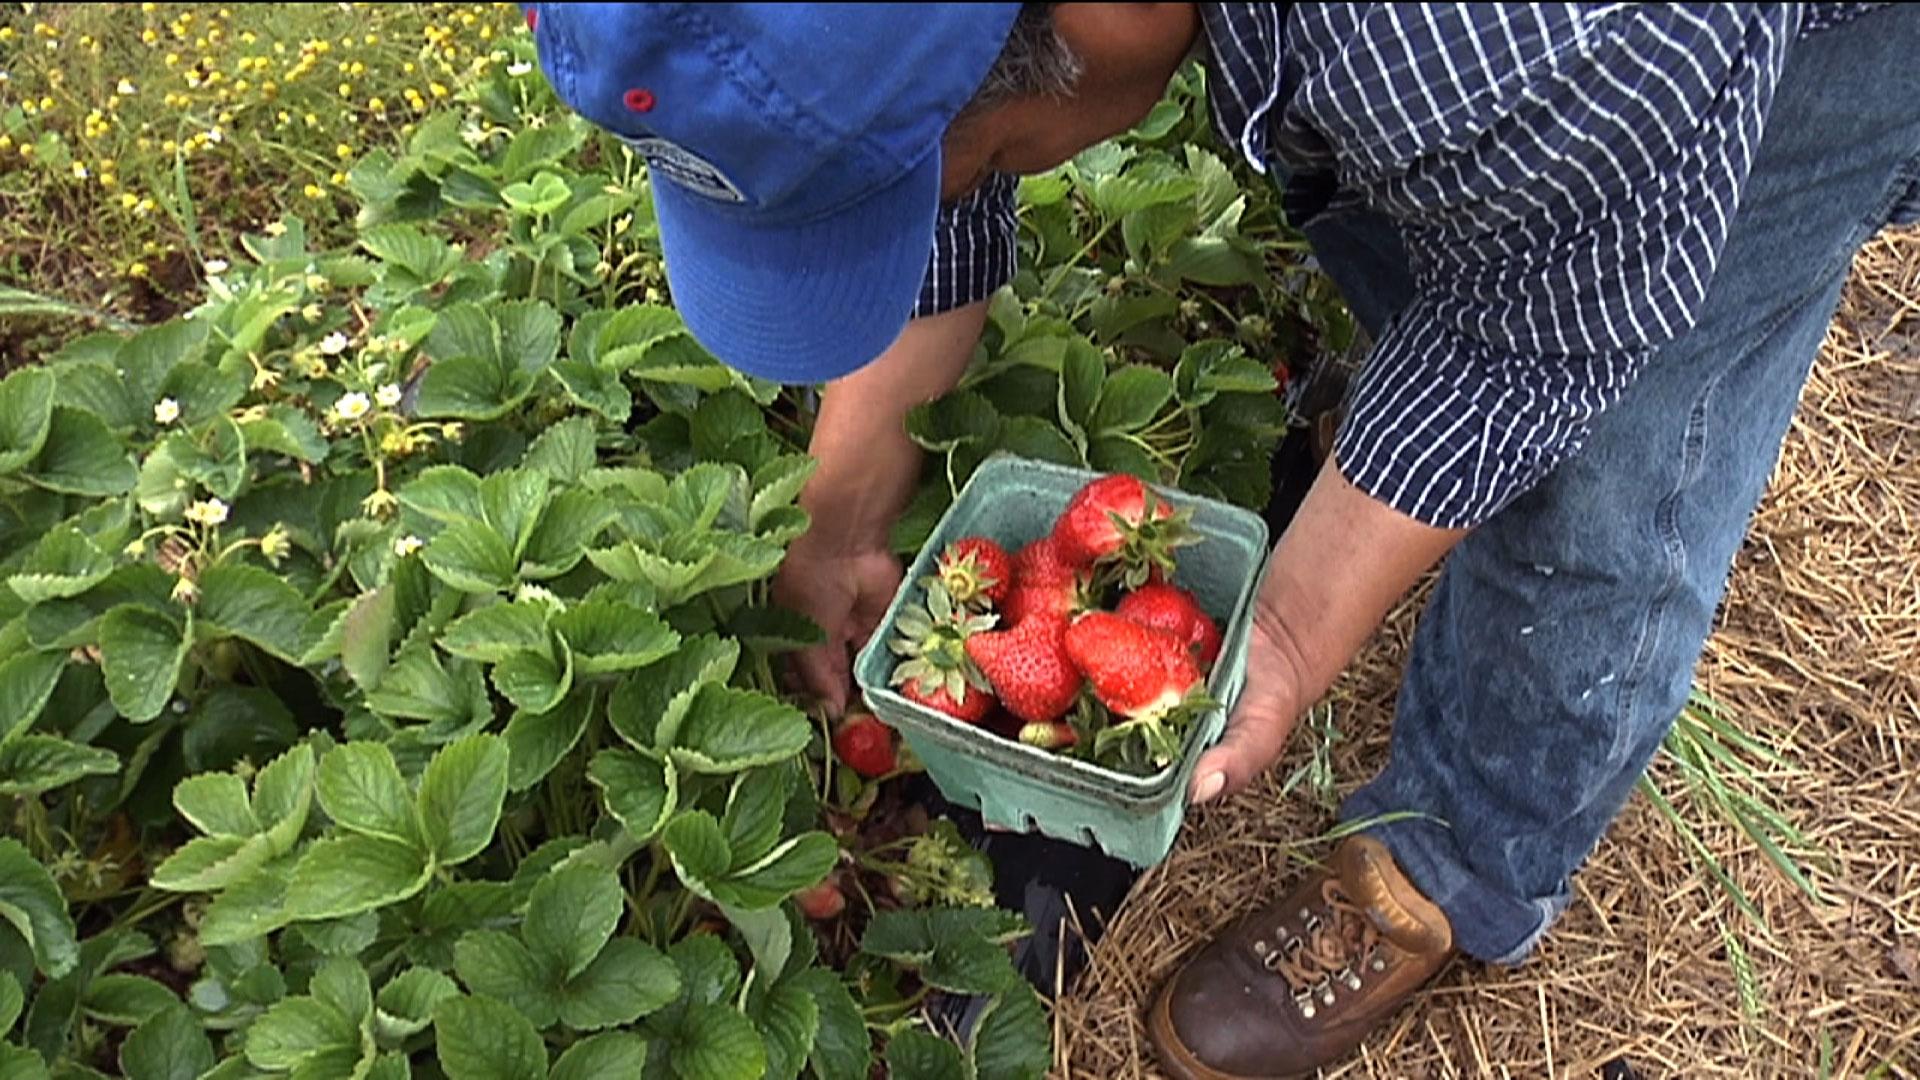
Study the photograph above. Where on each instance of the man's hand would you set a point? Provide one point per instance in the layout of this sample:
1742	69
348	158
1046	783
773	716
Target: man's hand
842	573
1338	569
845	591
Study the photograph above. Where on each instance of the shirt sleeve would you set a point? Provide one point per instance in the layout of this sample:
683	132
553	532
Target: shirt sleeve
1559	231
974	250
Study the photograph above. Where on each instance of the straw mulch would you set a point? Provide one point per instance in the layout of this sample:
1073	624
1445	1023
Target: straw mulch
1818	649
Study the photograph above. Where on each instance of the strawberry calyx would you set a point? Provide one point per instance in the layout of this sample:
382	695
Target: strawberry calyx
932	641
1146	549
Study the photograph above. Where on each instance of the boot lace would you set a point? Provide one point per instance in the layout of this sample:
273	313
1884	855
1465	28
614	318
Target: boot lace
1339	948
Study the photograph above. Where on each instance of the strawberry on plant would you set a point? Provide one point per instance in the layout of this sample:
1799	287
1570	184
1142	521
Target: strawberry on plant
1174	610
937	672
865	745
1028	667
822	902
1045	581
1116	521
976	572
1135	671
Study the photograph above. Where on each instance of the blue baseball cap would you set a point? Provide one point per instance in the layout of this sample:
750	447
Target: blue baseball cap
794	151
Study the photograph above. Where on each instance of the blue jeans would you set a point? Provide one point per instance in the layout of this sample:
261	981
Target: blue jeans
1560	641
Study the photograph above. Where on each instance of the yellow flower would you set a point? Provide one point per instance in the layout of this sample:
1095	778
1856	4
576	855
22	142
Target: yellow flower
343	151
46	104
339	179
274	228
313	312
276	544
107	180
346	90
396	444
149	36
5	141
6	33
379	504
128	200
79	170
166	411
313	191
437	90
207	512
407	545
311	365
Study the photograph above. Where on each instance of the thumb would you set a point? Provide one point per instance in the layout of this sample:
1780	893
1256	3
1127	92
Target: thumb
823	670
1256	733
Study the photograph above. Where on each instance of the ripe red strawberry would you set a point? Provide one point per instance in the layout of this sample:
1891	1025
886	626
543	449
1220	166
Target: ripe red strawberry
1116	520
976	571
1044	582
1173	609
972	706
1028	667
865	745
1055	736
822	902
1135	671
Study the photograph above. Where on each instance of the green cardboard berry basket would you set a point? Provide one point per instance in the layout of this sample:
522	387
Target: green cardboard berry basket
1014	786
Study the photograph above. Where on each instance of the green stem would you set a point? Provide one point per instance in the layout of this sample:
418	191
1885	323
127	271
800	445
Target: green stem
1060	274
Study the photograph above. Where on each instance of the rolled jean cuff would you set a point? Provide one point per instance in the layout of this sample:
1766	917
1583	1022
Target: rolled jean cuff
1488	925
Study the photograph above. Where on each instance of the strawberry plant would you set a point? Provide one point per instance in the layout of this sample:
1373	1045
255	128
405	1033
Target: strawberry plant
390	678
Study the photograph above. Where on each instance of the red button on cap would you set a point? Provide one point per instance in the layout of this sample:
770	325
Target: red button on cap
533	19
639	100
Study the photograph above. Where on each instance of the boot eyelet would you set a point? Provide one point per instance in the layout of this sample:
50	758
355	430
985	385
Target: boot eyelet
1379	964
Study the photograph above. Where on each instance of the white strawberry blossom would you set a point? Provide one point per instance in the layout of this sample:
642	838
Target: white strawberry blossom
334	344
207	512
388	395
351	406
407	545
166	411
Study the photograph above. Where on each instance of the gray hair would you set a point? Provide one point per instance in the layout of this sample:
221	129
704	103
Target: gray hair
1035	62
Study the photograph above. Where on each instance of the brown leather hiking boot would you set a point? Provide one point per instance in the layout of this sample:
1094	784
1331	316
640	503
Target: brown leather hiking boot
1299	984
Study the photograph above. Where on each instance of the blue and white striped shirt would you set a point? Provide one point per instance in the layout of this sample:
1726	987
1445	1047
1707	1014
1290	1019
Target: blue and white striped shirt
1563	177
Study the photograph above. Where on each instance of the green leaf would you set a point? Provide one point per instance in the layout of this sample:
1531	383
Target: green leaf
637	328
677	360
498	631
495	964
27	680
1120	454
168	1046
256	606
460	796
427	258
596	388
537	741
573	520
913	1054
727	729
282	795
12	999
361	789
956	419
118	999
468	388
627	980
788	1019
1083	373
705	862
542	195
769	937
609	636
20	1063
64	563
1033	437
216	804
639	790
778	483
613	1053
447	494
419	687
471	557
1130	400
1013	1039
649	705
404	1007
955	949
80	456
529	333
841	1045
287	431
570	914
478	1038
565	451
755	807
341	937
341	983
1147	184
535	681
140	654
1215	261
716	1042
345	875
26	413
512	501
148	357
31	764
33	904
296	1029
